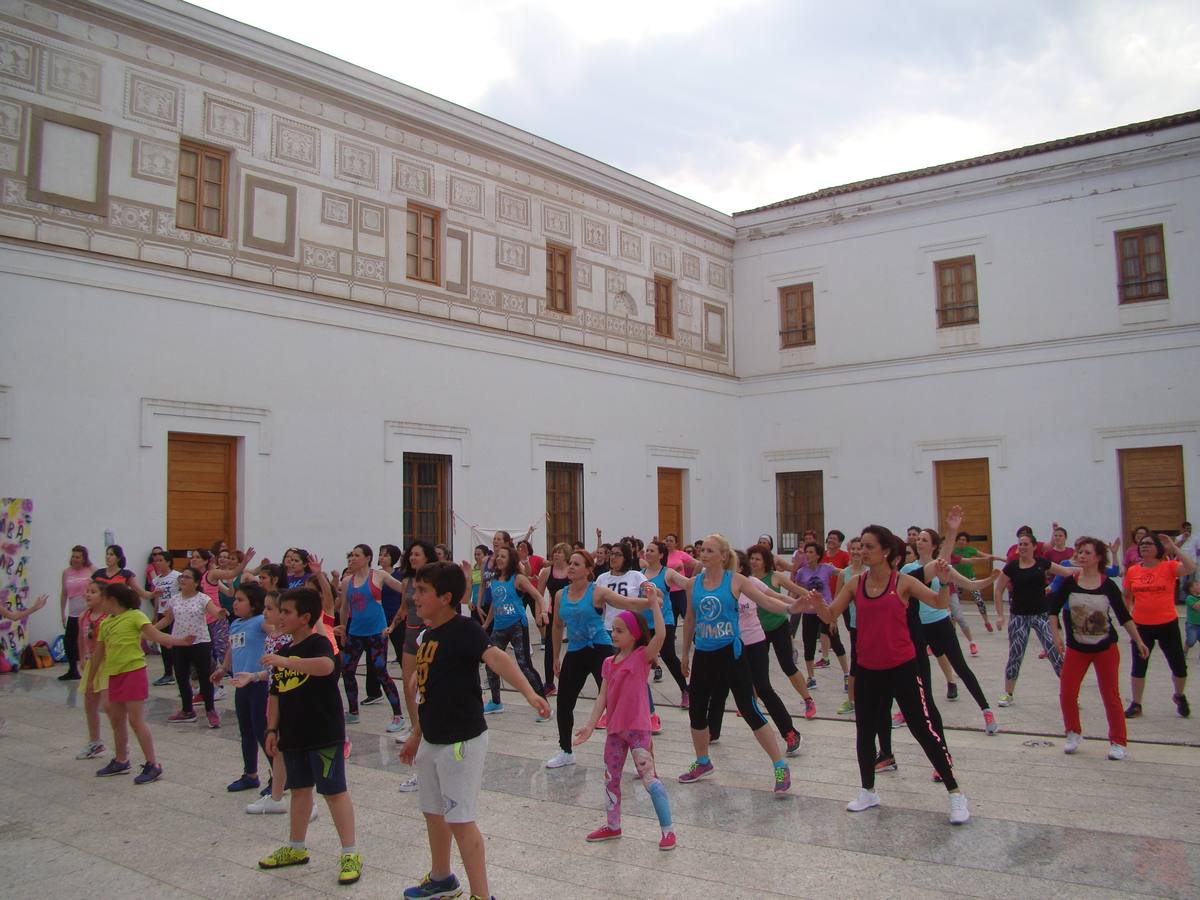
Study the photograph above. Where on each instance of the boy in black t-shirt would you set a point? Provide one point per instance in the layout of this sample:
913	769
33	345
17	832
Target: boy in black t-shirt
450	718
305	724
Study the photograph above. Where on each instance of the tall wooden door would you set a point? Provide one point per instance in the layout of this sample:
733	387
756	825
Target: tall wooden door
800	507
966	483
201	491
1152	489
670	503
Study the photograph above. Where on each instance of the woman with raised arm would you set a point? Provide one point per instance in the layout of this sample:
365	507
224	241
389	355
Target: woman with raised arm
712	622
775	625
579	619
1150	587
506	616
885	603
669	582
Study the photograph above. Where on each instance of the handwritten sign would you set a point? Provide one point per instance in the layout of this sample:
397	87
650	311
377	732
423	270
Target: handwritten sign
16	516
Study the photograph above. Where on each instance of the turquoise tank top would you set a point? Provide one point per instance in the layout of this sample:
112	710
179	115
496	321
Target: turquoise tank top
716	616
583	624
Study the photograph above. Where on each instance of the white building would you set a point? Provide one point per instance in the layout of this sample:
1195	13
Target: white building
248	290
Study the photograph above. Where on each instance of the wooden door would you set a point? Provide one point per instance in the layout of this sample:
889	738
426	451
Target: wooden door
670	503
564	503
966	483
800	507
1152	489
201	492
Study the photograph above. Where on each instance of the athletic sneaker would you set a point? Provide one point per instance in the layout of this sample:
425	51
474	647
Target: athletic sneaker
1006	699
1181	706
91	751
822	663
793	741
397	724
70	675
182	718
812	684
350	868
491	708
657	674
245	783
371	701
219	693
352	718
409	785
810	708
1116	751
113	768
150	772
951	691
885	764
988	626
974	648
602	725
783	780
1133	710
1073	742
266	806
936	778
546	718
284	856
667	842
959	813
898	720
163	680
605	833
685	700
551	690
214	718
560	759
865	800
989	722
655	724
696	771
431	888
845	709
1042	655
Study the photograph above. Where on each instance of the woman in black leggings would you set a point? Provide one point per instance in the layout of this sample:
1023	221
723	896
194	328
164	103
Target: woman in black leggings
887	663
552	578
775	625
667	581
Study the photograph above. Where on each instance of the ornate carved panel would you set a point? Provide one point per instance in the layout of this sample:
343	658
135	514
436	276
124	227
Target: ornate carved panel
512	208
295	143
512	255
355	162
631	245
465	193
72	77
337	210
411	177
228	121
18	61
155	161
153	100
595	234
556	221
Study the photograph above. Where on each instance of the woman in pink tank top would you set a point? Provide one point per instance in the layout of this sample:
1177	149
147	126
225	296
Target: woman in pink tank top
887	667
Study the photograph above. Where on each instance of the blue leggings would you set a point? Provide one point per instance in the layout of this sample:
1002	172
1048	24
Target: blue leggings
250	704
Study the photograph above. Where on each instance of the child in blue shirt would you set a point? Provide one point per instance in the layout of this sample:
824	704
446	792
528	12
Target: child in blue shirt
247	645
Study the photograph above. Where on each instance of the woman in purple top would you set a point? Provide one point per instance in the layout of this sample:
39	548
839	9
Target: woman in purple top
815	575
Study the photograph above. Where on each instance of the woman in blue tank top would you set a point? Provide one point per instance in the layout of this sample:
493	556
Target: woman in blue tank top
506	616
579	618
712	622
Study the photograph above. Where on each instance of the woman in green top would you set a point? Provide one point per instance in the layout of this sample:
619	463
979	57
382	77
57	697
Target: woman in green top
762	567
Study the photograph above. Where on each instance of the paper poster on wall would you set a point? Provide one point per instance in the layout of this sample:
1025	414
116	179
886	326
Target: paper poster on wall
15	518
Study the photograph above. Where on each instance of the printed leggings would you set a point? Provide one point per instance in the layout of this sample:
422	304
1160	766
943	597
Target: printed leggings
250	704
616	746
1018	640
874	691
375	646
576	666
944	642
518	636
758	657
218	630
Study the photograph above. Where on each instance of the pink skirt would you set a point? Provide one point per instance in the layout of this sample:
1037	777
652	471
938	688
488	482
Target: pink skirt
129	687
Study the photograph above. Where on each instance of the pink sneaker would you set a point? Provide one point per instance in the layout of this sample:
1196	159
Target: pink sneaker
655	724
695	772
214	719
182	718
974	648
810	708
346	747
603	723
667	842
898	720
685	700
988	626
604	834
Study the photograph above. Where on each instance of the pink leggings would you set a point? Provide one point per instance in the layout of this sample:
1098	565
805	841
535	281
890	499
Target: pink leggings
616	745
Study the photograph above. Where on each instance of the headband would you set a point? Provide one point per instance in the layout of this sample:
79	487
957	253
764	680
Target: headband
631	622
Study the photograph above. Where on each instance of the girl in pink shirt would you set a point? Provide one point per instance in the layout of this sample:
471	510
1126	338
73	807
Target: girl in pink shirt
623	695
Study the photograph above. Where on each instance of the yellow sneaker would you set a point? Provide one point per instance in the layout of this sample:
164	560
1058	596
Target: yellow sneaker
284	856
351	868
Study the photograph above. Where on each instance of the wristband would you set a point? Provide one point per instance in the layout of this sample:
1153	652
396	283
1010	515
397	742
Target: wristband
272	731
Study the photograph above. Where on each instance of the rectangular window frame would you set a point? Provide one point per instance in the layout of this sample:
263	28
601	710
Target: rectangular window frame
558	278
794	516
797	317
412	512
414	254
664	308
564	503
204	153
958	312
1141	288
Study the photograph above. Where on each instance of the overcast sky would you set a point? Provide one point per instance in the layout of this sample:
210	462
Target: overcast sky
738	103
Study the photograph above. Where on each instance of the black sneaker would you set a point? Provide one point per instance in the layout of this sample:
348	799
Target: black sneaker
952	691
371	701
1133	710
657	674
1181	706
150	772
70	675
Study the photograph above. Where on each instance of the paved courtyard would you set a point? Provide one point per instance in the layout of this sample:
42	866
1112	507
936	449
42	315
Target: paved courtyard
1043	824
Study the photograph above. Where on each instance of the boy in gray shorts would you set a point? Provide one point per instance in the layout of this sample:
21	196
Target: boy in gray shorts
450	759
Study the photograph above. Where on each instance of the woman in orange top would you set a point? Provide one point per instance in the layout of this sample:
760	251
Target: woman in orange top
1150	590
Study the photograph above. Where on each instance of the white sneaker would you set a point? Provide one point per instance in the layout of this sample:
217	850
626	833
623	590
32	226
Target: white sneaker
1116	751
219	693
560	759
267	806
312	816
959	813
865	800
408	785
1073	742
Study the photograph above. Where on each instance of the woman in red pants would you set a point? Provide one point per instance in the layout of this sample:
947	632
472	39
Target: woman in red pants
1087	602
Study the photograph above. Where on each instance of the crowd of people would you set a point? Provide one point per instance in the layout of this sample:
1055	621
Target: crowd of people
289	636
